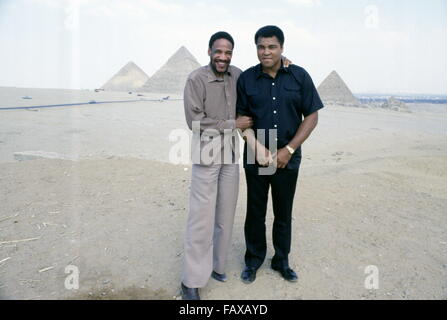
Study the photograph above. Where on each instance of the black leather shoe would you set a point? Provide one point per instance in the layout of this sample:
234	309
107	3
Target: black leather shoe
190	293
219	277
248	275
287	273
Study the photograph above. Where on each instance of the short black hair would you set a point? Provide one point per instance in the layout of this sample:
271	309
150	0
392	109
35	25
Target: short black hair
220	35
268	32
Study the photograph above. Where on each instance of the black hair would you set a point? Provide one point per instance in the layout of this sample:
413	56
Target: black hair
220	35
268	32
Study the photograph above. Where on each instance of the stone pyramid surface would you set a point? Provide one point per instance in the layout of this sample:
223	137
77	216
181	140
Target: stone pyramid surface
129	78
333	90
171	77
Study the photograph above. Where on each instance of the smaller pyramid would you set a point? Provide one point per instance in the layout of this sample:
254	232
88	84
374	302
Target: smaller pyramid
129	78
396	105
334	91
171	77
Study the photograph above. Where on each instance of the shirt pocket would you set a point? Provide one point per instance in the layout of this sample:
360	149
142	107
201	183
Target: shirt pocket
257	102
292	94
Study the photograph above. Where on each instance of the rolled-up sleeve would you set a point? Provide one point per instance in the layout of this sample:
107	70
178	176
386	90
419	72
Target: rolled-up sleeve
194	103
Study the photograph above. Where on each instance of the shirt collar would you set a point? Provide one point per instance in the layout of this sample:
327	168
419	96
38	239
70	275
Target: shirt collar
259	72
212	76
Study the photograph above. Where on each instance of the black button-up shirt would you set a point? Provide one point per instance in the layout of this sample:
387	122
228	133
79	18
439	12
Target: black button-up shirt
277	103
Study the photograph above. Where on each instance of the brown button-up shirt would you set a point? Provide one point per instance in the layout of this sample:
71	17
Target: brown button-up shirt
211	101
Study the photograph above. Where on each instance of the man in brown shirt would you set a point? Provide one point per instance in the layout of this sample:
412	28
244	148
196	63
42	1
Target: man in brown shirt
210	111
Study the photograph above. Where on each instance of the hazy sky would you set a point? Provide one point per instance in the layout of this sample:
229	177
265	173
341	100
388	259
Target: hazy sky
382	46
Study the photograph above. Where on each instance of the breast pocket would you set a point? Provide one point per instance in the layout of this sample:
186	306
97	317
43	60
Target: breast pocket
292	94
257	103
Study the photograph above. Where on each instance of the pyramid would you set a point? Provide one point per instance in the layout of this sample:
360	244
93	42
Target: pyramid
129	78
171	77
334	91
396	105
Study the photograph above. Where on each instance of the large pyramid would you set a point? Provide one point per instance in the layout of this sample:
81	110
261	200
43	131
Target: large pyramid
171	77
129	78
334	91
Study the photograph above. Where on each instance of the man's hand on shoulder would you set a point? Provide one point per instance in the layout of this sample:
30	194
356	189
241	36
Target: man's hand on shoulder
286	62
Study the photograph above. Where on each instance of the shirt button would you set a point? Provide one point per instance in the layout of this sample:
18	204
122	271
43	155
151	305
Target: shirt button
275	126
274	98
273	83
276	139
274	111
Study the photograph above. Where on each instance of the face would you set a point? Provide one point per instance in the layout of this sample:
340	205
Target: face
220	55
269	51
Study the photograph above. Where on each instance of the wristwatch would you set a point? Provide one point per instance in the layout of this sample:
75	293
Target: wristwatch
290	149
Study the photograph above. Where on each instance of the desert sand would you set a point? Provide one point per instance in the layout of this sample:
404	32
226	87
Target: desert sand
92	186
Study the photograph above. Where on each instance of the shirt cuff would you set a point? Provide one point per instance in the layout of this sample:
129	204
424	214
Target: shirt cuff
228	124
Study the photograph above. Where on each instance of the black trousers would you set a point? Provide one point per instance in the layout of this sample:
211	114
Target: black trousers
283	184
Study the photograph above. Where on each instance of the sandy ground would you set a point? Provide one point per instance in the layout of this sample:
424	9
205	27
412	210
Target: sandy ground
92	186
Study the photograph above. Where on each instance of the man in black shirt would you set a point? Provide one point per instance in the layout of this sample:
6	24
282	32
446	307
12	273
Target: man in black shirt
277	98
